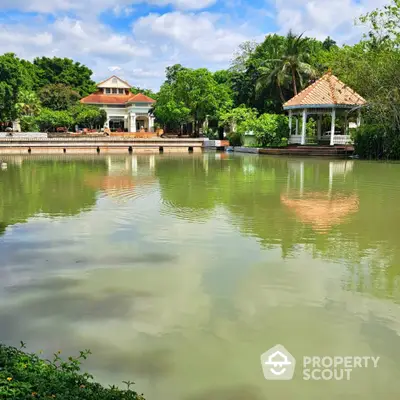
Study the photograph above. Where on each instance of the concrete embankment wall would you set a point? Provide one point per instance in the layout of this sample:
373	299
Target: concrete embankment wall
29	145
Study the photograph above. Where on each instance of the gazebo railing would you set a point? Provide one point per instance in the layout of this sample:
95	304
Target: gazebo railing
337	139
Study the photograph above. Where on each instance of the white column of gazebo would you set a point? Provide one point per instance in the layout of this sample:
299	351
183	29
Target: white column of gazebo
299	136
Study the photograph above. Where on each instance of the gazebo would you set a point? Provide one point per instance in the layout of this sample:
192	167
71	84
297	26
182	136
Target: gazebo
328	95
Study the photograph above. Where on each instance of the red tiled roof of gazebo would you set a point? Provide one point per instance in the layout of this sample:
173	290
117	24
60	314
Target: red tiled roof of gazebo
326	91
100	98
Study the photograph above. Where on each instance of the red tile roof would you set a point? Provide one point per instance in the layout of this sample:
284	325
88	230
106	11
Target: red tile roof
328	90
141	98
101	98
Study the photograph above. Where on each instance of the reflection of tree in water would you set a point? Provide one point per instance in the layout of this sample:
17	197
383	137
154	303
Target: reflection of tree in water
51	186
354	205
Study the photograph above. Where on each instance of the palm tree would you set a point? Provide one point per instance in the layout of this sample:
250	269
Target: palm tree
291	66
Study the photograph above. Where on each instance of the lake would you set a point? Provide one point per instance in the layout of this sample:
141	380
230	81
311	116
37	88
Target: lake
179	271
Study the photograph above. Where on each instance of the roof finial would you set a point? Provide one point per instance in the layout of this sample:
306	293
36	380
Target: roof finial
329	71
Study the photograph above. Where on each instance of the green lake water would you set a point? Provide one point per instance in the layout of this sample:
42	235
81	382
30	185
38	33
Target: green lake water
179	271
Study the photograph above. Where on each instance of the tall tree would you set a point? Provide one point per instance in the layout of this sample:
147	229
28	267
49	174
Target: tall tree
293	63
58	96
63	70
11	80
200	93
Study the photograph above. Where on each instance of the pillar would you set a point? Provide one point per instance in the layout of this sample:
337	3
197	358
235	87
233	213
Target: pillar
297	126
333	126
319	127
346	124
359	118
151	123
290	122
132	124
304	127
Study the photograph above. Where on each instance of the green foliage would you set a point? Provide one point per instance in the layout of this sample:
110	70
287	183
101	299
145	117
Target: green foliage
376	142
169	110
27	376
64	71
88	116
28	104
11	81
28	123
49	120
269	129
290	66
231	118
58	96
190	96
235	138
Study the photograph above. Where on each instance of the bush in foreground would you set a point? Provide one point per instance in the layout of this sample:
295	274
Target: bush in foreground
27	376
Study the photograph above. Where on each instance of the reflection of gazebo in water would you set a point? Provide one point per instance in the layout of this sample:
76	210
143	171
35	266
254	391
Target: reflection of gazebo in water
320	209
327	96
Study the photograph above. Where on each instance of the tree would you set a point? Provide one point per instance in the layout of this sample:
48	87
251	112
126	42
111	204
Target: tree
384	28
28	104
28	107
292	64
11	80
169	111
58	96
49	120
64	71
172	72
88	116
328	43
236	116
201	94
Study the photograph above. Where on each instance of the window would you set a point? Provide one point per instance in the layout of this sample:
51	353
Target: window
121	91
115	80
115	91
108	91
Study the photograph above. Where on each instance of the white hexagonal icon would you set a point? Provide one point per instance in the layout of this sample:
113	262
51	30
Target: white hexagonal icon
278	364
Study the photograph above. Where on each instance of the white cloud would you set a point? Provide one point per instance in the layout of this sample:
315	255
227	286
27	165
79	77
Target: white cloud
322	18
95	40
114	69
196	33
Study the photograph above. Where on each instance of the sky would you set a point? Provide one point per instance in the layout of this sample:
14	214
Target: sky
138	39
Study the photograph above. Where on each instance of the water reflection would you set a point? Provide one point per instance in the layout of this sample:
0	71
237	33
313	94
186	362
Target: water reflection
179	271
322	209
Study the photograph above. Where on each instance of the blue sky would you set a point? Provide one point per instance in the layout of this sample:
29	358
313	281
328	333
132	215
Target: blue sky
138	39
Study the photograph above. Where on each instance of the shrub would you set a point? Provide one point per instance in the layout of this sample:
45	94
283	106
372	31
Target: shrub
377	142
269	129
235	139
28	124
48	120
26	376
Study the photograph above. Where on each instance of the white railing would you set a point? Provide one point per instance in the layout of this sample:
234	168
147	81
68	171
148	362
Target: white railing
337	139
295	139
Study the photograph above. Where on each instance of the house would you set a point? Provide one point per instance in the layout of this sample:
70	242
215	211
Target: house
126	112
